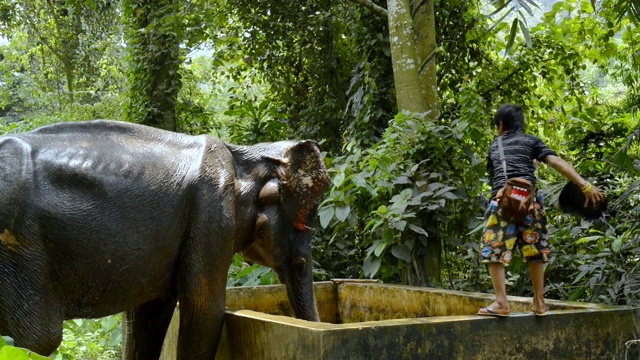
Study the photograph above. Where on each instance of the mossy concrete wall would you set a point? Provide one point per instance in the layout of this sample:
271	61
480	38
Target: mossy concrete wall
416	323
263	299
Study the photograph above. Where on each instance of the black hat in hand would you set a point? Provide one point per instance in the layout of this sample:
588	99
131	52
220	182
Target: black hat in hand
571	201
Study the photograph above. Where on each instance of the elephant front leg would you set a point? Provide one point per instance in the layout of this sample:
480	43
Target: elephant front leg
200	329
30	312
202	305
145	328
202	280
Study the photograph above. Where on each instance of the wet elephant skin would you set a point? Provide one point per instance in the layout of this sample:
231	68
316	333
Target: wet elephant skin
103	217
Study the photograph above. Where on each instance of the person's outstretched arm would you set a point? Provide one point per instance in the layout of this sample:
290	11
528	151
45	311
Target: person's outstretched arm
592	194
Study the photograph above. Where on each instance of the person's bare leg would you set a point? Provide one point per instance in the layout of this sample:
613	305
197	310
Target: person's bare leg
536	268
498	279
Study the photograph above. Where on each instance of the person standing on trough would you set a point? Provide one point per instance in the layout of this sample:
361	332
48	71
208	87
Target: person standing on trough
500	236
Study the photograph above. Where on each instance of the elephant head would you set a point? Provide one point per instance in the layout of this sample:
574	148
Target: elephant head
279	186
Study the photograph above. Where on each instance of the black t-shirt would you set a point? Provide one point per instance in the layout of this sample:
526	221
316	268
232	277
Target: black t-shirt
520	150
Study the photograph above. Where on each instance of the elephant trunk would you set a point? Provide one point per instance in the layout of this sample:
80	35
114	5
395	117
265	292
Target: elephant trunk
298	279
301	296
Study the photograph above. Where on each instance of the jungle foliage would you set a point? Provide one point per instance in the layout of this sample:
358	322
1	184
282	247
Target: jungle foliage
252	71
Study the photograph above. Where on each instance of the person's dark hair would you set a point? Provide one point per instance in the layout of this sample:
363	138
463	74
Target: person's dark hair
511	116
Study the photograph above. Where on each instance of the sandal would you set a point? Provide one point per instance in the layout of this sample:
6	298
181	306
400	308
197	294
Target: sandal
541	313
486	311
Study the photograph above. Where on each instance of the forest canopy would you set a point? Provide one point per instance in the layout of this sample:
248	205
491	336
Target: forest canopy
404	117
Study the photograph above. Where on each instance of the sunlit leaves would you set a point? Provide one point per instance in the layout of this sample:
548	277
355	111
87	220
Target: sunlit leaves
13	353
519	8
99	339
59	52
241	273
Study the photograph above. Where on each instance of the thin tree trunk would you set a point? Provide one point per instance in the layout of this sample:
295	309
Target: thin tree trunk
402	37
70	75
425	29
433	259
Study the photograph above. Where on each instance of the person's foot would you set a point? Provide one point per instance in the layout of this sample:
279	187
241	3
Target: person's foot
540	308
495	309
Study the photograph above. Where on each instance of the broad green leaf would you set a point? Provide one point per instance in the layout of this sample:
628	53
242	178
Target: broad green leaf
434	186
380	248
359	180
444	190
342	212
616	244
418	230
326	214
373	247
450	196
116	337
14	353
399	225
338	179
398	205
107	323
373	223
406	194
512	36
402	252
35	356
371	266
387	235
587	239
246	271
403	179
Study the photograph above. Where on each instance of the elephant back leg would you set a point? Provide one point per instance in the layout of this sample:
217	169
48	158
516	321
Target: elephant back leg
145	328
30	312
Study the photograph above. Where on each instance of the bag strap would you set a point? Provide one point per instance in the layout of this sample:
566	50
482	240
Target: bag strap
502	159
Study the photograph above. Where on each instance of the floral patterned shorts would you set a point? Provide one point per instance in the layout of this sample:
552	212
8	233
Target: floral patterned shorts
500	237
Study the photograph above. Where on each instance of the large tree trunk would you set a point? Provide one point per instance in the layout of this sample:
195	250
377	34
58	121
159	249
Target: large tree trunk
155	57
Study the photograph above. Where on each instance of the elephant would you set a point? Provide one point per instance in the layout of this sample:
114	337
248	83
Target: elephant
103	217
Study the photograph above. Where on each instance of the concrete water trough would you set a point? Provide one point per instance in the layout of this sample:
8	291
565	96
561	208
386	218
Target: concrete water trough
364	320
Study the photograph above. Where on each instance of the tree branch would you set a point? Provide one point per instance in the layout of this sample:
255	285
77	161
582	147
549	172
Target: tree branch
39	35
369	4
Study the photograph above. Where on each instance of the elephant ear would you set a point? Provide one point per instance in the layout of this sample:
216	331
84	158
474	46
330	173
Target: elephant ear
304	178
